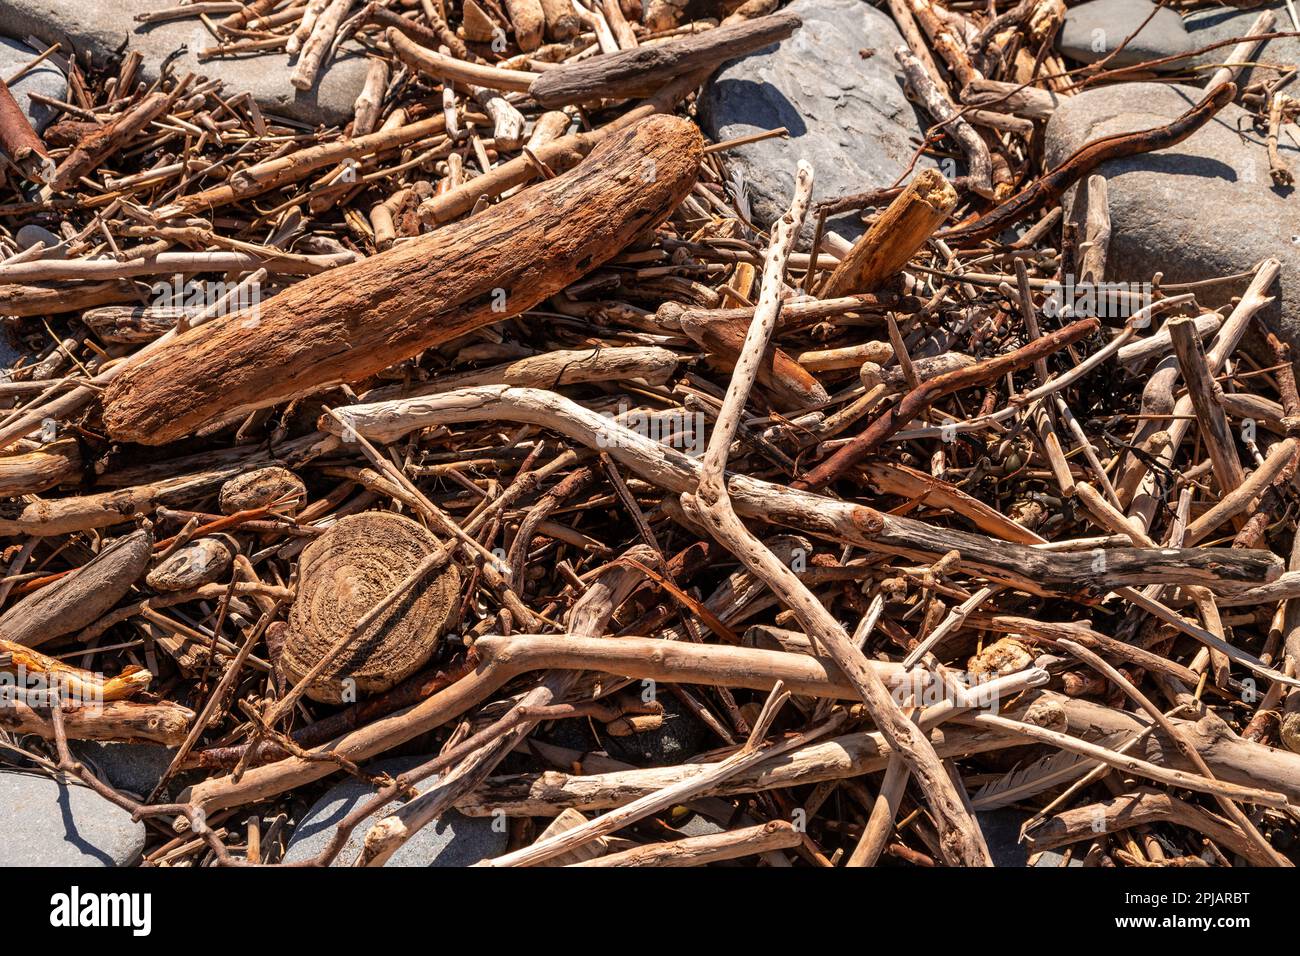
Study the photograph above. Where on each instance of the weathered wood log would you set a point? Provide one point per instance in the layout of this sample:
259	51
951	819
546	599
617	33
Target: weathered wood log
356	320
78	599
643	70
123	720
34	471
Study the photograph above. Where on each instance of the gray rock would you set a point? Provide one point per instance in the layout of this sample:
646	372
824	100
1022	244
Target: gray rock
30	234
100	29
133	767
47	823
1226	23
1001	829
1051	858
846	113
453	840
1204	208
45	78
1092	30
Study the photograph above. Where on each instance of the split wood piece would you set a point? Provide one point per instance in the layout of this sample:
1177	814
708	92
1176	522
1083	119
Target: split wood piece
105	141
961	842
649	363
342	575
527	18
790	384
55	516
936	103
34	471
79	599
1231	757
1033	570
1142	808
32	669
1091	216
20	142
1214	429
354	321
644	70
895	236
119	720
502	659
562	22
894	419
890	478
131	324
703	850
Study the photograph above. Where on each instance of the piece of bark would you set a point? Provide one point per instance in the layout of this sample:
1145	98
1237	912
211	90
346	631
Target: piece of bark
643	70
356	320
79	598
895	236
102	143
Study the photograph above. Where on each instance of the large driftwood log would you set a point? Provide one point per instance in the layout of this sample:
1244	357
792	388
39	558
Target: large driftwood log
354	321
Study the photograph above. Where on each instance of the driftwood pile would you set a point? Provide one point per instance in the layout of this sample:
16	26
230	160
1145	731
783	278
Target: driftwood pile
503	416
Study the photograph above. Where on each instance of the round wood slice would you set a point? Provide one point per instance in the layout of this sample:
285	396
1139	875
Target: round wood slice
342	576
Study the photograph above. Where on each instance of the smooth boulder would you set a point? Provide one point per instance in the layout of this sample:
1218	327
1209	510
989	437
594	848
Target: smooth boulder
835	86
1203	209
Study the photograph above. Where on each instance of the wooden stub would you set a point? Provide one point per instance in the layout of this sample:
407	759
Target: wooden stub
343	325
643	70
78	599
343	575
895	236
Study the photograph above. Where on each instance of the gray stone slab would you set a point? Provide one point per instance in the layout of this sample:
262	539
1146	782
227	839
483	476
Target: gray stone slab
1095	29
104	27
835	85
1204	208
47	823
451	841
45	79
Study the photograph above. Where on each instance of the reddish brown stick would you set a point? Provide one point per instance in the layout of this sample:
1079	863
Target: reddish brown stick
927	393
